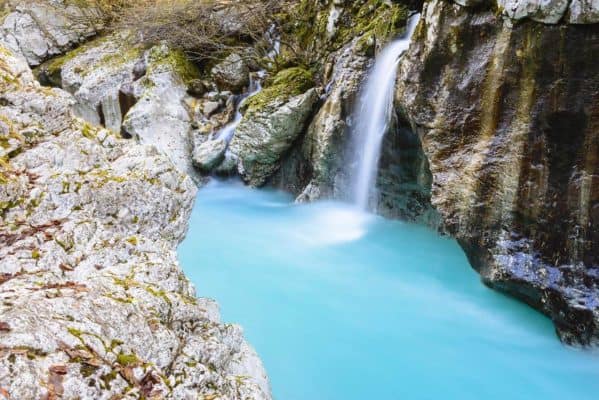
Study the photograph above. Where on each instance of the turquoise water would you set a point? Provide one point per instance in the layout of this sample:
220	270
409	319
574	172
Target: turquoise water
346	306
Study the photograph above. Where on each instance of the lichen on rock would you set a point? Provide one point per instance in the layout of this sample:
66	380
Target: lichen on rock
40	29
272	122
93	302
507	118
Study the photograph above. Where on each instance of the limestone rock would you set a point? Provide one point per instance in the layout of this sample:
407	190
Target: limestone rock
160	117
209	154
97	75
139	93
584	12
508	125
550	12
323	145
232	73
40	29
94	303
265	134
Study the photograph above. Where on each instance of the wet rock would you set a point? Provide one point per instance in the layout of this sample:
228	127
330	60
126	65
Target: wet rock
324	147
232	73
583	12
93	301
209	154
267	132
507	117
550	12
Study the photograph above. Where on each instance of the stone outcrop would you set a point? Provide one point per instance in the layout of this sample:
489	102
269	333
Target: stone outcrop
508	118
545	11
160	116
273	120
209	154
93	301
40	29
139	93
232	73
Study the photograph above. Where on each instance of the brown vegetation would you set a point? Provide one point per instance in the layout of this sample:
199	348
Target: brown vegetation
204	30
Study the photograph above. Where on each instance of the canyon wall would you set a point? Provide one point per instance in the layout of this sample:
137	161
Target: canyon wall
508	114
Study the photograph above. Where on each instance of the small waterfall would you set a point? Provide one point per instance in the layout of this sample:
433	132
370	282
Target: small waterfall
374	115
228	131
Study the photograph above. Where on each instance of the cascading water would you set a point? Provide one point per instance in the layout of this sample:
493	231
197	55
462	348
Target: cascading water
227	132
374	114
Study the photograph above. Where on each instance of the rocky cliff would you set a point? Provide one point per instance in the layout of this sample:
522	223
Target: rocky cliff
508	114
93	301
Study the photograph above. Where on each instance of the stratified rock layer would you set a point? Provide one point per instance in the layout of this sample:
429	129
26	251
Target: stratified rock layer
508	115
93	304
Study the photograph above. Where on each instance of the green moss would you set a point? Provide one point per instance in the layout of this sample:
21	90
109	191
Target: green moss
35	254
5	206
114	343
119	58
124	52
76	332
108	378
87	370
53	68
176	60
307	41
284	85
132	240
124	300
127	359
88	131
158	293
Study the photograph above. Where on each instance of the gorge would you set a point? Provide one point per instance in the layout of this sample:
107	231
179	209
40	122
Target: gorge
473	123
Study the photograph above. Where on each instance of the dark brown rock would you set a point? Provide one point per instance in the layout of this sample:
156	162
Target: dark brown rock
508	115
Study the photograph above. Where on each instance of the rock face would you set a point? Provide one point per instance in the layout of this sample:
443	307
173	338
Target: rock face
508	116
139	93
209	154
263	137
545	11
93	302
232	73
272	122
160	116
97	75
40	29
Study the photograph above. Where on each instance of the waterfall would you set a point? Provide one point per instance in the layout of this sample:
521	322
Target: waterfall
227	132
374	114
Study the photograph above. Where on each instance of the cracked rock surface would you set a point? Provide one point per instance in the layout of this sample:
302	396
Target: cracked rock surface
93	303
40	29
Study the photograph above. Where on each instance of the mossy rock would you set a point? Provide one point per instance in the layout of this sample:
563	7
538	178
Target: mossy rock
305	27
162	58
287	83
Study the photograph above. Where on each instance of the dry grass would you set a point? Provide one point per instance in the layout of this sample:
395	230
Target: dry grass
204	30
